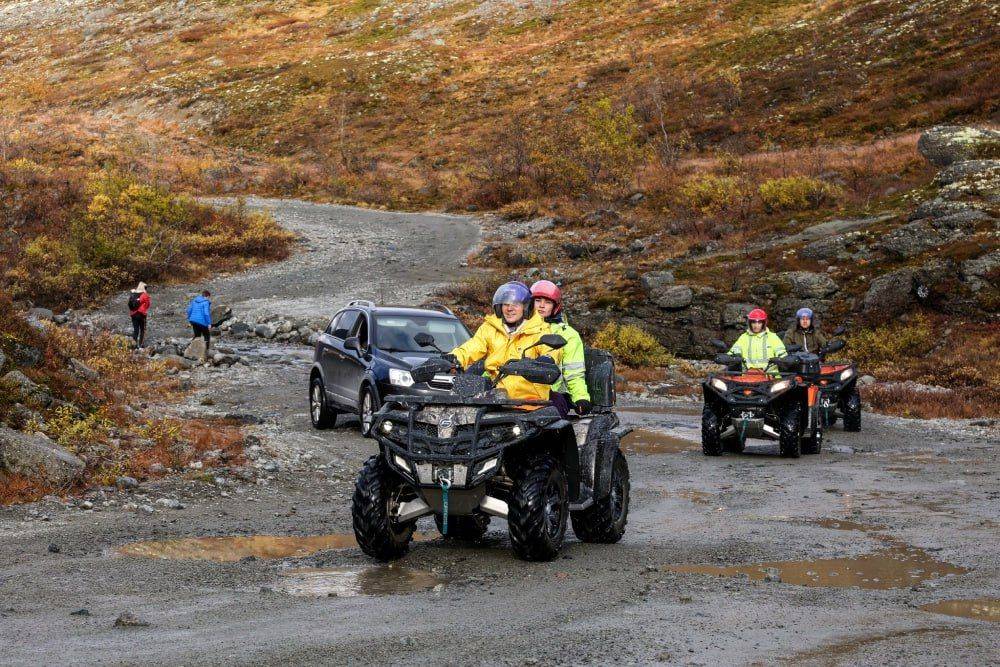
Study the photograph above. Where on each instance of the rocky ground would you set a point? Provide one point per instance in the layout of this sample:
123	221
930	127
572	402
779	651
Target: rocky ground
912	505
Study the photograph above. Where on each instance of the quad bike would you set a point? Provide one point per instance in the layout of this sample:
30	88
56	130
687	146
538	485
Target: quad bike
838	390
751	403
474	454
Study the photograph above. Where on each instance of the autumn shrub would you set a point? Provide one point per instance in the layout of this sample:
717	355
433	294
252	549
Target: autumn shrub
611	146
713	195
892	344
631	345
797	193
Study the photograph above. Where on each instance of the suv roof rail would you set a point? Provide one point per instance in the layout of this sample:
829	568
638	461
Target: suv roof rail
362	302
436	305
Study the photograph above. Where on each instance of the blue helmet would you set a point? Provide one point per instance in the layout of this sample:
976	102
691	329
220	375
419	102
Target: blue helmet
804	312
513	292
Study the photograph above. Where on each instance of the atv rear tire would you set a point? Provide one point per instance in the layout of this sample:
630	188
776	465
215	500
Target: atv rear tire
852	411
711	433
538	509
604	521
470	528
376	496
789	433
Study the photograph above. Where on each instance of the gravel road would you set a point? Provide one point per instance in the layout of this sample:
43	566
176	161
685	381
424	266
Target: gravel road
905	511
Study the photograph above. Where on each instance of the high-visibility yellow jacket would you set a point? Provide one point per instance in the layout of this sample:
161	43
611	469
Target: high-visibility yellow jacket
574	367
757	349
493	344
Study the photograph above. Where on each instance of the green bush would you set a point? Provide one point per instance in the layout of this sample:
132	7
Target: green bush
797	193
631	346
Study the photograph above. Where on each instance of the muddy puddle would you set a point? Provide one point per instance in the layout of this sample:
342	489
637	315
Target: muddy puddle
693	410
693	495
231	549
641	441
843	524
357	581
981	609
898	567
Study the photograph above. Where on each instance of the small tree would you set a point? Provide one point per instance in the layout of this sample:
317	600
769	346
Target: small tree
610	146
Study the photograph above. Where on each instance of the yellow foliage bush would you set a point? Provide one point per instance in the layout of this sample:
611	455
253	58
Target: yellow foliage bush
73	430
797	193
611	146
713	195
631	345
881	347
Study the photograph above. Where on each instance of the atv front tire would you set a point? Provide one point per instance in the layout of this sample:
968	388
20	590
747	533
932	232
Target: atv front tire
376	497
470	528
604	521
538	509
789	433
711	433
852	411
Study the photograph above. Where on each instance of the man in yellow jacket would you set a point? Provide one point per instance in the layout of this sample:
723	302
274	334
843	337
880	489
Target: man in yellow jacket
513	327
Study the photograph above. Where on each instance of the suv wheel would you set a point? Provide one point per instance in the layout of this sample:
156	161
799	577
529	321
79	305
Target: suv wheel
321	414
368	405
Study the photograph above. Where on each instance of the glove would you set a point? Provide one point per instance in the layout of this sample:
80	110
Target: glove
583	406
452	359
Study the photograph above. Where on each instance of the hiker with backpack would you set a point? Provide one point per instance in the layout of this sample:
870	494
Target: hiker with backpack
138	307
199	314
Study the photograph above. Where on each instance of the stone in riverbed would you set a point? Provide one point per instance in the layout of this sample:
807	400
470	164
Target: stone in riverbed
35	456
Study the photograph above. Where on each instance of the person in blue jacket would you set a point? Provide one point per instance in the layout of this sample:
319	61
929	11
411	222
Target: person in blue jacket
199	314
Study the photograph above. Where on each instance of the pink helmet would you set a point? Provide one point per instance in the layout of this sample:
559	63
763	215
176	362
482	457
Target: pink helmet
547	289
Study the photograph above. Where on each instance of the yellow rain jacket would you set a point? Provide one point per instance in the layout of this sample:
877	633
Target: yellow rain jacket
496	346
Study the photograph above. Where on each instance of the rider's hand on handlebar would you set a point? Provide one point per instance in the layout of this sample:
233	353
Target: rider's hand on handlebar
583	406
452	359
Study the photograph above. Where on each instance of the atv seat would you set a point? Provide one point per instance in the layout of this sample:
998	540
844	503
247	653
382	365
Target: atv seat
600	378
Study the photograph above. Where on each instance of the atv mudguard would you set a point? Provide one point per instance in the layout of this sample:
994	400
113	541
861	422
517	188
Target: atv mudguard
596	443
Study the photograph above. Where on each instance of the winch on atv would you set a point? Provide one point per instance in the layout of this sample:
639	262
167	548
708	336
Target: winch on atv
475	453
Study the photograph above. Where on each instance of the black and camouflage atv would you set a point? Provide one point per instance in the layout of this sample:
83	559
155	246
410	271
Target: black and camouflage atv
475	454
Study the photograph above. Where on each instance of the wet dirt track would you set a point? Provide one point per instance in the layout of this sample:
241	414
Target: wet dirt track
925	491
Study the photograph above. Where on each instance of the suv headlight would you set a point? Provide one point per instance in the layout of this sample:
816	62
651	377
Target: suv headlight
719	384
780	386
846	374
400	378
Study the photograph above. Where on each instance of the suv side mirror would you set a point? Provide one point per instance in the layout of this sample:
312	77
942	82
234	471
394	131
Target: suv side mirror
719	345
423	339
353	343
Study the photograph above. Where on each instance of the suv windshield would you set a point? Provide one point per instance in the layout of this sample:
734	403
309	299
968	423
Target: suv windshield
394	333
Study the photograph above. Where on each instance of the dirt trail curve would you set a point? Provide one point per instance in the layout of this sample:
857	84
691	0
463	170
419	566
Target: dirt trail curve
905	512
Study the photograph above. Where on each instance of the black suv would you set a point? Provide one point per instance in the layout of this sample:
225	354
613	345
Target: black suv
368	351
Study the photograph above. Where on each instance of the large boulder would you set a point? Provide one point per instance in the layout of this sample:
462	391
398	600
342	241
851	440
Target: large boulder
946	144
734	315
37	457
196	349
916	237
986	172
265	331
891	294
220	313
655	280
978	271
673	297
809	285
24	387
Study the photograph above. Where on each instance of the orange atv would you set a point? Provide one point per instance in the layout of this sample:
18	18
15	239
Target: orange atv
838	388
780	405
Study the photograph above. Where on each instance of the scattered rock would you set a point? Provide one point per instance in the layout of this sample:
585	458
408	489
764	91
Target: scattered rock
735	314
83	370
808	285
772	575
170	503
265	331
80	612
839	449
946	144
35	456
891	294
41	314
129	620
866	380
220	313
54	548
969	169
126	482
672	297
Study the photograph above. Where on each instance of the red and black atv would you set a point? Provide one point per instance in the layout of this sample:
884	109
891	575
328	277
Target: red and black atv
838	388
781	405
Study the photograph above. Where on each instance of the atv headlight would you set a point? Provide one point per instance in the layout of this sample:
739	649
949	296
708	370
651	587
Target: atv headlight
516	431
401	462
400	378
780	386
719	384
846	374
387	426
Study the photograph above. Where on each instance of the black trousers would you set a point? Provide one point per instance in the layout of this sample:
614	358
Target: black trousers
139	328
203	331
